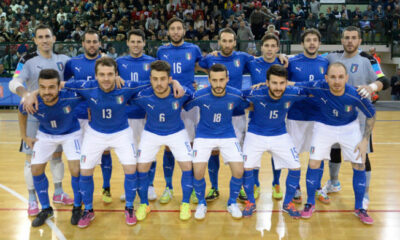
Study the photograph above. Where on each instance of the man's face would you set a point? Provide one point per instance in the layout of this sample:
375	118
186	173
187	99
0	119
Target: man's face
350	41
106	77
48	90
227	43
91	45
277	86
44	40
176	32
336	78
269	49
218	81
311	44
135	44
159	81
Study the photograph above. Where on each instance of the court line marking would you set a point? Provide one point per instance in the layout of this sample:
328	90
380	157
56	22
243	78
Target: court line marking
53	227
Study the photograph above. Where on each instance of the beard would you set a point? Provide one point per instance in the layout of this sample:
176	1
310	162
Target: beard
274	95
177	41
92	55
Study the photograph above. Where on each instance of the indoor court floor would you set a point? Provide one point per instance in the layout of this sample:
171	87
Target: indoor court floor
333	221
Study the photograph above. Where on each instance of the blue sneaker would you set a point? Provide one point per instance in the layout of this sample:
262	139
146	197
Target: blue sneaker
249	209
291	209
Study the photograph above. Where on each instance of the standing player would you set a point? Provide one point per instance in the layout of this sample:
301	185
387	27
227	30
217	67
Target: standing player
306	67
135	67
339	124
58	126
164	126
215	130
82	68
236	63
183	58
267	132
27	72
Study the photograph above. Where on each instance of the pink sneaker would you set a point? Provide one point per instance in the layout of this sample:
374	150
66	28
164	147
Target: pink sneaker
63	198
33	209
363	216
86	218
130	217
307	211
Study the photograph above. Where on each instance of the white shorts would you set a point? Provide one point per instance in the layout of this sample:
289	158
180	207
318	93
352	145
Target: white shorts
178	143
229	148
84	123
137	126
47	145
95	143
301	133
190	119
239	124
325	136
281	148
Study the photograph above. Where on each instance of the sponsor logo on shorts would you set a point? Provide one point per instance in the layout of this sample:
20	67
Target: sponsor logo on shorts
83	158
175	105
245	158
67	109
348	108
194	153
188	148
354	68
138	153
120	99
312	149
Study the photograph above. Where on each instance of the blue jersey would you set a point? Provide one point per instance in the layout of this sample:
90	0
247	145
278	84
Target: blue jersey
108	110
258	68
269	114
304	69
236	64
163	114
338	110
80	68
135	69
58	119
216	112
182	60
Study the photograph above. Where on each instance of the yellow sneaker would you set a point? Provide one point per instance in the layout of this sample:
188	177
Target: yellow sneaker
256	191
167	195
276	192
193	197
142	212
107	195
185	213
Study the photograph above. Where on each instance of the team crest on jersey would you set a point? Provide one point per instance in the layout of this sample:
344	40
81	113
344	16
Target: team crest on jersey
321	70
146	67
237	62
354	68
312	149
230	106
120	99
83	158
287	105
175	105
188	56
60	66
67	109
348	108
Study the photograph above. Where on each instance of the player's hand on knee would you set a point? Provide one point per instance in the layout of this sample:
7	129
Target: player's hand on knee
364	91
362	149
29	141
119	82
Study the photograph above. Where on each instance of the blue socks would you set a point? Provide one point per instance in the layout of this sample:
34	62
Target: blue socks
75	189
234	186
42	185
200	190
187	185
320	174
213	168
130	185
276	173
143	183
86	186
312	177
256	172
106	169
248	185
292	181
152	173
168	167
358	187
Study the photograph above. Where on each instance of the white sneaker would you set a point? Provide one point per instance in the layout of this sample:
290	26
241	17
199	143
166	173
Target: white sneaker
235	211
330	188
151	194
122	198
365	203
201	211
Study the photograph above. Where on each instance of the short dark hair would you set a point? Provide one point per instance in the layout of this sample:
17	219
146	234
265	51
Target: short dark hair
226	30
351	29
310	31
218	67
43	26
337	64
161	66
269	36
136	32
105	61
277	70
175	19
92	32
49	73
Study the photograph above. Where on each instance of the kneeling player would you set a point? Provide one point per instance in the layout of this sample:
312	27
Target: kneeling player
58	126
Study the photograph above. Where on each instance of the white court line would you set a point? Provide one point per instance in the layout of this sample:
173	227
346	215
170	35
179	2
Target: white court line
53	227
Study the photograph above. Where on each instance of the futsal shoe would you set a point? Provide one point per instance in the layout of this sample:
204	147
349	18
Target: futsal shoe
307	211
249	209
130	217
142	212
63	198
322	196
256	191
42	217
87	217
76	215
107	195
291	210
242	195
167	195
201	211
297	197
332	188
276	192
33	209
212	195
151	194
185	212
363	216
235	211
193	197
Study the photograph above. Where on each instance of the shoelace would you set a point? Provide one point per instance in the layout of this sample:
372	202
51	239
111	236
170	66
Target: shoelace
363	212
307	207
